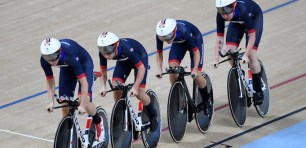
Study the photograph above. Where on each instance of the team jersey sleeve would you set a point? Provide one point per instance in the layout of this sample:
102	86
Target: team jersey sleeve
190	41
103	62
220	25
74	62
132	55
248	21
47	68
159	45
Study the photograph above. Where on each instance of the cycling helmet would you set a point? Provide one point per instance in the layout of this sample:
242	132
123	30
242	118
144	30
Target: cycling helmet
107	42
166	29
225	6
50	49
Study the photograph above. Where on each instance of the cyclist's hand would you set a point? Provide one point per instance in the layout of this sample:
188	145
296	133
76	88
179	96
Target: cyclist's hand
134	92
216	63
245	60
102	92
81	110
49	107
159	74
194	73
224	51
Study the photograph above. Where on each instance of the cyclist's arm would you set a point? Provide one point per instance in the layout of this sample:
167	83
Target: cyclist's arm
140	74
251	42
49	79
196	58
51	89
220	35
218	45
103	79
159	53
103	69
194	48
84	90
250	26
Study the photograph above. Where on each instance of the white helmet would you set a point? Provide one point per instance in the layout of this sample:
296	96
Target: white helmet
107	42
50	49
165	29
223	3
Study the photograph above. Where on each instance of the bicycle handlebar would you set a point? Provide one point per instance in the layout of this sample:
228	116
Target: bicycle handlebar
178	70
234	56
119	86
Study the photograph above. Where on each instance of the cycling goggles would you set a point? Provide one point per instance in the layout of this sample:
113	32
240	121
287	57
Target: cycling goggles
51	57
226	9
168	37
107	49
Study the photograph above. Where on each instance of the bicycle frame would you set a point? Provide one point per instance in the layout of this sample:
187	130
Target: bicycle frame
72	113
181	78
136	118
247	82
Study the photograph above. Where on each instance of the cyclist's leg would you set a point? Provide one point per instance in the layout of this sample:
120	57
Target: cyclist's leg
176	54
234	35
254	63
67	83
121	73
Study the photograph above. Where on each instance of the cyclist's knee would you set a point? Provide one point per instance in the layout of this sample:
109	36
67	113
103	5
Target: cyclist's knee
65	112
231	48
174	64
117	95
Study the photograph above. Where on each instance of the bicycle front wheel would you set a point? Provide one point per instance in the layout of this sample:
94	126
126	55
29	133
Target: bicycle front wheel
119	137
63	137
177	111
236	97
263	109
151	139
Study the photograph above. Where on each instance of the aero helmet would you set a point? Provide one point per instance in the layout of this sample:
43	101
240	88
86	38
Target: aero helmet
50	49
107	42
165	29
225	6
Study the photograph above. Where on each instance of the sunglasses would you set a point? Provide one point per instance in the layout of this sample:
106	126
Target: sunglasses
51	57
107	49
226	9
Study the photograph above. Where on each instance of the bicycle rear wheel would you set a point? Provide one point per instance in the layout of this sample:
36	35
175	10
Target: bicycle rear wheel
263	109
120	138
104	132
151	139
63	137
237	102
177	111
203	121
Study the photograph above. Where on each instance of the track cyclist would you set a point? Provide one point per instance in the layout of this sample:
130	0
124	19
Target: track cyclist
245	16
184	37
75	65
129	54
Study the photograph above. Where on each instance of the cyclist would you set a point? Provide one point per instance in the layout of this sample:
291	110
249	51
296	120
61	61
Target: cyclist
245	16
75	65
130	54
184	37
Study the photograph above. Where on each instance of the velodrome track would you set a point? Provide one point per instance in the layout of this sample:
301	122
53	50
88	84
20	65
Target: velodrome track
25	123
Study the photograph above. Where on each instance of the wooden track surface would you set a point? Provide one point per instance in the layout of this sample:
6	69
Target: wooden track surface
24	24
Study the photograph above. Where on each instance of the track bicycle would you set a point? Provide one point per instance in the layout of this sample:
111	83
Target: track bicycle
240	89
181	107
69	133
126	124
